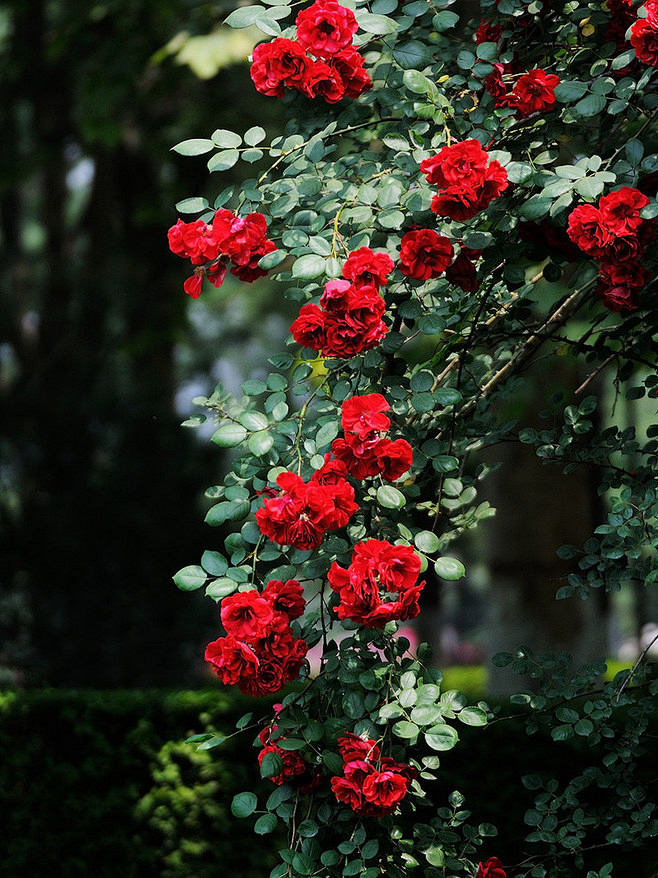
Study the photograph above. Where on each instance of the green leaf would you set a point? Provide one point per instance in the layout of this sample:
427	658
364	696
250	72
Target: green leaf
192	205
427	542
309	266
223	160
272	259
214	563
271	765
260	443
254	135
441	737
375	24
195	146
211	743
570	90
265	824
444	20
473	716
245	16
591	105
412	54
254	420
243	804
191	577
221	588
449	568
418	84
326	434
445	463
390	497
229	435
406	730
226	139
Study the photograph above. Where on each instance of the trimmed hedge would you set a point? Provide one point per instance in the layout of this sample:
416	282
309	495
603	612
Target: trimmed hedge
101	783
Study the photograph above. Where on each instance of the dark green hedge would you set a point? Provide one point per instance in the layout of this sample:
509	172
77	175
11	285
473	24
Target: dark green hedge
101	783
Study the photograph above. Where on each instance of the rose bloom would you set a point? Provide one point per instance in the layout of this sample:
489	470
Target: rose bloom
364	415
385	790
462	273
276	64
365	268
468	181
348	64
616	295
424	254
621	210
321	80
194	241
325	28
331	472
308	329
491	868
589	231
353	747
394	458
231	659
488	32
246	615
534	92
285	597
644	39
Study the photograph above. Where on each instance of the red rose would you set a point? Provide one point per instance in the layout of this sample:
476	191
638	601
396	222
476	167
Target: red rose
644	39
246	615
285	597
335	297
616	296
308	329
621	210
194	241
364	415
393	458
588	230
492	868
365	268
331	472
630	274
424	254
534	92
385	789
349	66
353	747
488	32
231	659
468	181
276	64
325	28
348	792
462	273
321	80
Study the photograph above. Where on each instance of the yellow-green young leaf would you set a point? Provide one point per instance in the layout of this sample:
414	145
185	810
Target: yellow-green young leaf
192	205
190	577
473	716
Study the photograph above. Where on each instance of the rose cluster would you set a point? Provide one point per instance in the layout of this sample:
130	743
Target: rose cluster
348	320
468	180
425	254
240	240
644	35
259	654
302	512
614	233
533	92
372	785
335	71
379	586
365	450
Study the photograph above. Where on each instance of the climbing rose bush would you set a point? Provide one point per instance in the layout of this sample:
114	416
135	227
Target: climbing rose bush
451	203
